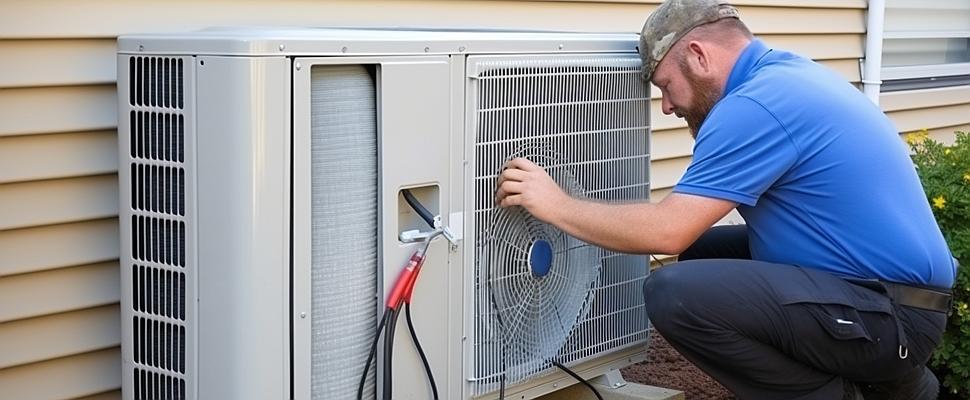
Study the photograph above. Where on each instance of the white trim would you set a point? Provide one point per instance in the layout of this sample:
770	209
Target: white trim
926	35
925	71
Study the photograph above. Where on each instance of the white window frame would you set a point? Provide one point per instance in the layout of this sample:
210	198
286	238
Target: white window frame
925	71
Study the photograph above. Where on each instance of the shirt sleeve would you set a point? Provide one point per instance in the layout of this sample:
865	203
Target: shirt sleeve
741	150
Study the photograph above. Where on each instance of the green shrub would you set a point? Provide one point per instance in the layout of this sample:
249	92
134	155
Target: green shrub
945	173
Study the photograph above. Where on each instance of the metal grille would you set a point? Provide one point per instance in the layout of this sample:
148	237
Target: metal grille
592	113
158	189
157	272
150	385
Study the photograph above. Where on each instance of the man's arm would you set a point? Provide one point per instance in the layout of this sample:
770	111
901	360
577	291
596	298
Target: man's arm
667	227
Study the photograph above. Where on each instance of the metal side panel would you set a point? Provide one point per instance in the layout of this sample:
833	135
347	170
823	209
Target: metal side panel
414	140
159	269
243	120
584	117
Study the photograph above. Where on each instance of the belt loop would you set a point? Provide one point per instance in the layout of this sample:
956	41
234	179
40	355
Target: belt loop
903	350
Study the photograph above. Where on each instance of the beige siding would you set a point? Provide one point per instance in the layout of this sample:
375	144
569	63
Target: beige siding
940	111
58	196
90	61
68	377
58	290
37	157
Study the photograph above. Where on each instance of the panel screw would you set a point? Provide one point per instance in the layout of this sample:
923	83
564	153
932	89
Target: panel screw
427	49
302	315
282	47
343	49
560	47
298	66
462	48
141	48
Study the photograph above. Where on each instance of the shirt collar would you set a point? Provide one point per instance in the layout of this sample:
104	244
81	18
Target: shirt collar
746	63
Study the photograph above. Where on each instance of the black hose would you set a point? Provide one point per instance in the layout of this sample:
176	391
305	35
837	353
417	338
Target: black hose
388	352
578	378
417	344
373	351
416	205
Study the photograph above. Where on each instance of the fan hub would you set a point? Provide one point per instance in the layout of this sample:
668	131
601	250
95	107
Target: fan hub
540	258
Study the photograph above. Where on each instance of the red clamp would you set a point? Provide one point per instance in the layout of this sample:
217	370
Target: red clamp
405	282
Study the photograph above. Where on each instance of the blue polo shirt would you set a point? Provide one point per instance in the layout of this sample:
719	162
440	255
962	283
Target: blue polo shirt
820	174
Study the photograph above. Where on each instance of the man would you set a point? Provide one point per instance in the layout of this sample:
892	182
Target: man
837	286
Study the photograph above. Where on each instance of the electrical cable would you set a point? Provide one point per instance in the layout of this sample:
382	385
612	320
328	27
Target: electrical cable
578	378
370	357
418	207
501	324
389	352
424	359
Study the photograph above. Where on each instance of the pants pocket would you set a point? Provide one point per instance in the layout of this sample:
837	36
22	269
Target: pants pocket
839	321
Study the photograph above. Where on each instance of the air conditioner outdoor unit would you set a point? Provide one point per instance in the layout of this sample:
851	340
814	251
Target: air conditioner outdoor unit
263	219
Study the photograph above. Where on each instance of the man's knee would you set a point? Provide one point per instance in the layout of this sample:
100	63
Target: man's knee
662	299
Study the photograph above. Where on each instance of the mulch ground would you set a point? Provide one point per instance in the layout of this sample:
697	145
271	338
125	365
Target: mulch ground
666	368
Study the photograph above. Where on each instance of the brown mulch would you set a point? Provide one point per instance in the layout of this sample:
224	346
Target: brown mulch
666	368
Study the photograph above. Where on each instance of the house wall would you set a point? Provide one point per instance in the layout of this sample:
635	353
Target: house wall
59	245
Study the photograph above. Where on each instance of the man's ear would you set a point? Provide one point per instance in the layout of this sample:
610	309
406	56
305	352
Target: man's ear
698	57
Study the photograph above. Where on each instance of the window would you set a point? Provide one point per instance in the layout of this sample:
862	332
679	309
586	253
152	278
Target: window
926	44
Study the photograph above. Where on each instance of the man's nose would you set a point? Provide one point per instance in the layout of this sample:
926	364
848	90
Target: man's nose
666	106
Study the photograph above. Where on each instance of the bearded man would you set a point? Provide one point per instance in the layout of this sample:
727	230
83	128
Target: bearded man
838	284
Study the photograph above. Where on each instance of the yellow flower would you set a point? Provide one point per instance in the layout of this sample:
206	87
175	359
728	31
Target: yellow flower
917	137
966	177
939	202
947	151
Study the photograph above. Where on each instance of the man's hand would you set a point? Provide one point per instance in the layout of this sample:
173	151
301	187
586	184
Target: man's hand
526	184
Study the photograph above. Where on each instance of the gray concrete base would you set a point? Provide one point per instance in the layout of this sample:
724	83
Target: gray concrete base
612	387
630	391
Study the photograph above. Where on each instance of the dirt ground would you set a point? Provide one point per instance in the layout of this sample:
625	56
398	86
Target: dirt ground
666	368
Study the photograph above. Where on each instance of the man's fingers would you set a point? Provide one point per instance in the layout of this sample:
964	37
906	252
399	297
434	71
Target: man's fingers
512	174
509	201
523	164
508	188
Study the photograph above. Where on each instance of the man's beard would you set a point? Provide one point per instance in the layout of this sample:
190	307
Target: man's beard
706	95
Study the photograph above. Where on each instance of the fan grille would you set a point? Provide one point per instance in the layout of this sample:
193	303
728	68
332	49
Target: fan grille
585	119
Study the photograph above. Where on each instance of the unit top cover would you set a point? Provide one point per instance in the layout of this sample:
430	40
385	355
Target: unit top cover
274	41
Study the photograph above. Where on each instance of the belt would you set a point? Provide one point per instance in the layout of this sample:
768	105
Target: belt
930	299
917	297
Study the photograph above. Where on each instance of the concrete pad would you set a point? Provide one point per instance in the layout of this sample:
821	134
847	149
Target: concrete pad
629	391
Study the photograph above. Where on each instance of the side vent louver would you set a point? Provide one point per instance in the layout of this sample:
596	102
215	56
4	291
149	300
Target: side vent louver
157	265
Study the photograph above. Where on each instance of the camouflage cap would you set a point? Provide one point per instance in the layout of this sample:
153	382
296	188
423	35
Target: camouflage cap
671	21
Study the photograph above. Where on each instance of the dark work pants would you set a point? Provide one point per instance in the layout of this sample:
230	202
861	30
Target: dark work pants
776	331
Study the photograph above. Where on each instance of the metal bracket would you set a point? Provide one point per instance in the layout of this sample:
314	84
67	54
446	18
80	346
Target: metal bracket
612	379
416	235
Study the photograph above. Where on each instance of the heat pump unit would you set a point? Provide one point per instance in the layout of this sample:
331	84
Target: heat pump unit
264	219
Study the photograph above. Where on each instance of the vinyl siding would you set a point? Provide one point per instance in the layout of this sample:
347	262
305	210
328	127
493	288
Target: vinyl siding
941	111
59	245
